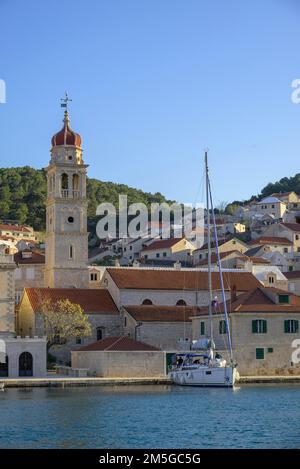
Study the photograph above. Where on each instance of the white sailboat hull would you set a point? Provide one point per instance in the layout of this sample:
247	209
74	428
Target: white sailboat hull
210	376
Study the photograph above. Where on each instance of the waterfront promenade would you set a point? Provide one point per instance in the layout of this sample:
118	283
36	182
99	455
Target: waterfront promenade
67	381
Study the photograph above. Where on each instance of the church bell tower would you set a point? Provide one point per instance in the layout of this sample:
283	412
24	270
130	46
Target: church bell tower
66	211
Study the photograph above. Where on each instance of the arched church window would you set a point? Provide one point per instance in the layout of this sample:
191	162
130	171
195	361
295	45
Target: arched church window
181	303
147	302
64	181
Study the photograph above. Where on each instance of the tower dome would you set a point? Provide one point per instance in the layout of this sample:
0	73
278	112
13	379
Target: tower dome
66	136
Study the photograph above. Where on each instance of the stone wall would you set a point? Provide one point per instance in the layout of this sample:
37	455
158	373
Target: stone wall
277	344
121	364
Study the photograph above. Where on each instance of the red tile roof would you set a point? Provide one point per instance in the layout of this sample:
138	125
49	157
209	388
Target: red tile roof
36	258
22	228
153	313
292	226
160	279
257	301
162	244
90	300
292	274
271	240
118	344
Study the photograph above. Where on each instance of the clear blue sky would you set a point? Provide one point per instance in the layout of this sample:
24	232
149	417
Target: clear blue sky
153	83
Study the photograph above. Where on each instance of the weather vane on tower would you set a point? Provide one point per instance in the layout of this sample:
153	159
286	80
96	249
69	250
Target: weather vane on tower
64	101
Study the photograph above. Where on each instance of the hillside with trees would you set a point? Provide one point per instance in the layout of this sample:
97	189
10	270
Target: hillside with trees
286	184
23	196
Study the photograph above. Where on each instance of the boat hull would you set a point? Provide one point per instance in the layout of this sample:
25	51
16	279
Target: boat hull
205	376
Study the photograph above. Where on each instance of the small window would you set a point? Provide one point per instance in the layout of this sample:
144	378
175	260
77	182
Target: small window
71	253
78	340
70	157
71	219
297	237
164	254
181	303
291	326
222	327
147	302
286	250
270	350
271	279
157	254
99	332
94	277
259	326
260	354
202	328
125	321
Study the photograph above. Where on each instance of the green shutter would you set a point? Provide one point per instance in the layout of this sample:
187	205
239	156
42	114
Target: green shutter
254	326
286	326
202	328
264	327
283	299
260	354
296	327
222	327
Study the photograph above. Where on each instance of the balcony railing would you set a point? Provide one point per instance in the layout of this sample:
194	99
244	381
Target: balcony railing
66	193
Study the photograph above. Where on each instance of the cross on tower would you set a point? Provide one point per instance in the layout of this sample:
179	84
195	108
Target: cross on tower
65	100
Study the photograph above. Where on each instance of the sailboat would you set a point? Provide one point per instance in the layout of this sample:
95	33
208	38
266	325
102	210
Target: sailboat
203	365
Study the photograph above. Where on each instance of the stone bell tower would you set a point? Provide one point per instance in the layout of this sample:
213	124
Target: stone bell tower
66	212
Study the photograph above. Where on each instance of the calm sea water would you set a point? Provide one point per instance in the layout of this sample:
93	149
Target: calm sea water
151	417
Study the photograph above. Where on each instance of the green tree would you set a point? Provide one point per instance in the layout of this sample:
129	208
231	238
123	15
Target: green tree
63	321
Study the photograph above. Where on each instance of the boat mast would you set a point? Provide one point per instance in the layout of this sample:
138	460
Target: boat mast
220	270
209	253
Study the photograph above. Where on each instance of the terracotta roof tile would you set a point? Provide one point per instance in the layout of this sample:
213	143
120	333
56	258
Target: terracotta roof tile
271	240
90	300
161	279
36	258
292	274
118	344
162	244
258	301
21	228
292	226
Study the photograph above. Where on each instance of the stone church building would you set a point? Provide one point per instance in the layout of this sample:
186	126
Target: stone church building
19	357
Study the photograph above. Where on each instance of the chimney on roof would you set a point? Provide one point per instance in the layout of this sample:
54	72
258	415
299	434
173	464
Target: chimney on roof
135	263
177	265
117	262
